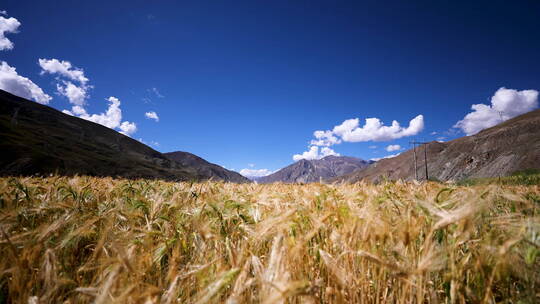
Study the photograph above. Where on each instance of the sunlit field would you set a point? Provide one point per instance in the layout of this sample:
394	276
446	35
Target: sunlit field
102	240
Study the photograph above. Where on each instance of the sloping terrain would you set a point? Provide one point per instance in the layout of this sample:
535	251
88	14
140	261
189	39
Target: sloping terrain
306	171
37	139
204	168
511	146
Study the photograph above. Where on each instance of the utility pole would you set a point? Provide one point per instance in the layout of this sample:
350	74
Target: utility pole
425	160
414	143
415	167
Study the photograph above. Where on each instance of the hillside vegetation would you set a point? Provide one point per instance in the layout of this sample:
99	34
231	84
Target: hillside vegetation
101	240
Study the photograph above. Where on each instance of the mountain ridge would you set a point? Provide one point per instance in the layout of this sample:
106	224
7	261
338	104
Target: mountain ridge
501	150
204	167
38	139
306	171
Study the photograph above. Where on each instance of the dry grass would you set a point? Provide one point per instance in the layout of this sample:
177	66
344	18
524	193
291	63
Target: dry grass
101	240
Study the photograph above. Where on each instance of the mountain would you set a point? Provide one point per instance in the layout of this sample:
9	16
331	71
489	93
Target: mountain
306	171
511	146
205	168
37	139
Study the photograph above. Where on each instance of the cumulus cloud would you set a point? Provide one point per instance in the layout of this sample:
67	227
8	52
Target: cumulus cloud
375	130
250	173
112	118
7	25
505	104
314	153
75	93
351	131
387	156
63	68
128	128
391	148
324	138
152	115
21	86
73	84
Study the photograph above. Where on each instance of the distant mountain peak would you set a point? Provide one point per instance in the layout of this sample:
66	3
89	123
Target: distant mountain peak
306	171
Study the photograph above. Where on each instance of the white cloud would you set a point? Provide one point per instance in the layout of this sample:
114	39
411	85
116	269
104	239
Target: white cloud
7	25
251	165
314	153
250	173
112	118
391	148
373	147
63	68
505	104
375	130
76	94
387	156
128	128
3	13
324	138
21	86
152	115
350	131
327	152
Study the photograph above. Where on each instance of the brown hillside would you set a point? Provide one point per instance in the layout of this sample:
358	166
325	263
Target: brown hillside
498	151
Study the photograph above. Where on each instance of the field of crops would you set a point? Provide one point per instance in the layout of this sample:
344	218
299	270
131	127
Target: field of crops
101	240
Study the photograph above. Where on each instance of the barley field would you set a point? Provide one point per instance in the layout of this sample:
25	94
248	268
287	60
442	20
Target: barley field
104	240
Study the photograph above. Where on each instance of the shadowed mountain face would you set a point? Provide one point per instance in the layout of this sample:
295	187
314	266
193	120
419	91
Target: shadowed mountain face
205	168
37	139
511	146
306	171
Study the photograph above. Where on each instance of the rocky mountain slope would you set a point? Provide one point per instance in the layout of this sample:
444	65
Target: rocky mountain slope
37	139
511	146
306	171
204	168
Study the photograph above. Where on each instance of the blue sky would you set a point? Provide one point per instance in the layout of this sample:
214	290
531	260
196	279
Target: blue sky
248	82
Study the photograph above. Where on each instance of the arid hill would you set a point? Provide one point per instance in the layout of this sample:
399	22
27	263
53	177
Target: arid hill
511	146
